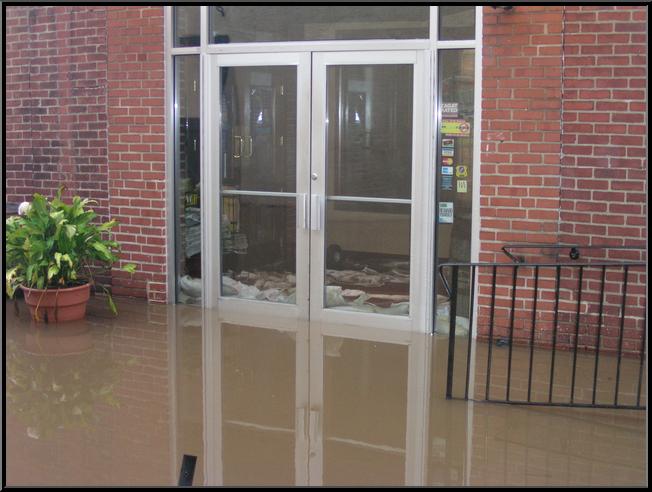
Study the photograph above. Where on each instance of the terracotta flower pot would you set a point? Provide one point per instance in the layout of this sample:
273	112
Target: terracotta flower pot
66	304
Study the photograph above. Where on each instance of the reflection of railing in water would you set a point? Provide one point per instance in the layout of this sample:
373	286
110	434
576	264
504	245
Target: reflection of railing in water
595	314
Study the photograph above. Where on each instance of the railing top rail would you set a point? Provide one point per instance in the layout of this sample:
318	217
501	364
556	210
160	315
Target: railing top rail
574	253
563	245
546	264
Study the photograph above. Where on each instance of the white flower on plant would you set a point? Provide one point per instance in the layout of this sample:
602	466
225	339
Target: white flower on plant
23	208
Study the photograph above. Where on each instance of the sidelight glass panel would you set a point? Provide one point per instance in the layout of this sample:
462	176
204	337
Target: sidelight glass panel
369	142
261	23
456	22
259	248
368	257
187	179
455	173
259	127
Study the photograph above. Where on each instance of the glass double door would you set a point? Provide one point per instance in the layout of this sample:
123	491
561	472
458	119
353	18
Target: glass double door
319	197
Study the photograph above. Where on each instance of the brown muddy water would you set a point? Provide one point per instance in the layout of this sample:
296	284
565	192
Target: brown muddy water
120	401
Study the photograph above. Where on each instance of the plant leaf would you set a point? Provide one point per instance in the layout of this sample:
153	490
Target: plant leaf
52	271
69	230
112	307
103	250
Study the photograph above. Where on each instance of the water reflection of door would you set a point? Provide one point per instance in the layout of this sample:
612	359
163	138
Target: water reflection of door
283	408
319	170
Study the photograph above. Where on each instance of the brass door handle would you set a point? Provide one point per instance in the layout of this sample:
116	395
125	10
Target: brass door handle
237	143
250	144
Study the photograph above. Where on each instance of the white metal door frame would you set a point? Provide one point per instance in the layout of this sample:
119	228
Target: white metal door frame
310	154
212	283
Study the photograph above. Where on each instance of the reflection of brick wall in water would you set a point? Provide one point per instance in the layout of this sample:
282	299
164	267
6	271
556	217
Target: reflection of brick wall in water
128	445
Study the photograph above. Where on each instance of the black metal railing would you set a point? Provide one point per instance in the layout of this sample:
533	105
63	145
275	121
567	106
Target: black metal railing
556	385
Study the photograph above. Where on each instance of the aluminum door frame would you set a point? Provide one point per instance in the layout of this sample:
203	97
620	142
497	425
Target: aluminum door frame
422	194
211	199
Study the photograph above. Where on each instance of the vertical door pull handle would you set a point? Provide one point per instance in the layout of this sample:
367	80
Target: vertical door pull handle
316	213
302	211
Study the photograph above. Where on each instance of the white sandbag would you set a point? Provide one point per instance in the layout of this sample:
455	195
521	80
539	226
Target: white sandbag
190	286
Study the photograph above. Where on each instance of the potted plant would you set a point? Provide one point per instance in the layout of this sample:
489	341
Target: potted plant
50	250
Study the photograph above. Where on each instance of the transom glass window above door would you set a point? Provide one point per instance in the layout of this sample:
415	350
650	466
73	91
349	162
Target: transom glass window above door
248	24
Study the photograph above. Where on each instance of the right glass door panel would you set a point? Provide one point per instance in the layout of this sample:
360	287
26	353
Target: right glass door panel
368	187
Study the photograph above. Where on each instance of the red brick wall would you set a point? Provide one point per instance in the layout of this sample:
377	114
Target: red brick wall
563	158
520	140
55	102
137	146
604	126
604	169
85	108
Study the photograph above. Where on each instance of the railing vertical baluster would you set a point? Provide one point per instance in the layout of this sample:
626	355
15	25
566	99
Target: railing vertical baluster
468	349
577	332
491	332
641	362
534	321
597	349
511	331
452	315
554	335
558	333
622	329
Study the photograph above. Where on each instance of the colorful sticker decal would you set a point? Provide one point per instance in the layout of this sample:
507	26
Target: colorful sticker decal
459	128
447	161
445	212
447	170
461	171
449	110
447	183
461	186
448	142
447	152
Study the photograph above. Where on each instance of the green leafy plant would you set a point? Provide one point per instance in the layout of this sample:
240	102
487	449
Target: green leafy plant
54	245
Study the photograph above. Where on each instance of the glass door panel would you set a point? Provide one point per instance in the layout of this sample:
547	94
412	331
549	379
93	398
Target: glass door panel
258	177
369	131
367	256
364	165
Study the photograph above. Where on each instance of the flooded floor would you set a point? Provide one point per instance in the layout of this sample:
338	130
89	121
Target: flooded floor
120	401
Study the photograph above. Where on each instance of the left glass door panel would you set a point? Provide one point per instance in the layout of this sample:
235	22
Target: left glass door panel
258	226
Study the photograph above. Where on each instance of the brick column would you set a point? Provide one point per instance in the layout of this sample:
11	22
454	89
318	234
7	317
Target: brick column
137	147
